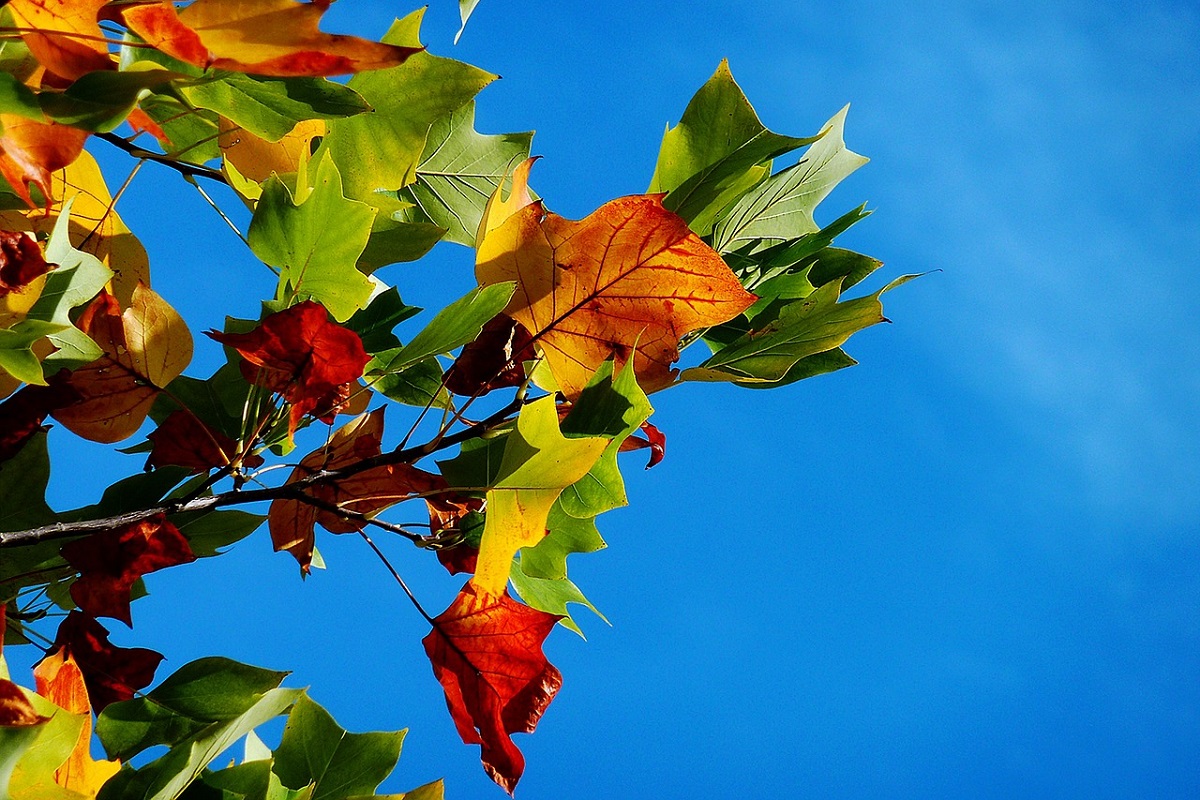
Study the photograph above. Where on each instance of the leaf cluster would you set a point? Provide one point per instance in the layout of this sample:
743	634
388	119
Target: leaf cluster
517	398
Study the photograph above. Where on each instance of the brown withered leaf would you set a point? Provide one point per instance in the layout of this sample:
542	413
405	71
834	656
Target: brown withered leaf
486	652
30	151
626	282
266	37
63	35
368	492
493	361
300	354
654	439
59	680
111	673
182	440
22	415
109	562
145	348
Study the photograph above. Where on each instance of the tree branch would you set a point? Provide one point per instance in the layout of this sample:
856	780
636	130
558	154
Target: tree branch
295	490
182	167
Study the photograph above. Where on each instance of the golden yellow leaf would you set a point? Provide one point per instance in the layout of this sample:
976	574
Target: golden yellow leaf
60	681
63	35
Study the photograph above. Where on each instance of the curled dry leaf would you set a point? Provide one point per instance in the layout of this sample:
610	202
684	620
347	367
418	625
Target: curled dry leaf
654	439
494	360
110	562
626	283
63	35
21	261
145	348
110	673
267	37
486	652
59	680
303	356
368	492
30	151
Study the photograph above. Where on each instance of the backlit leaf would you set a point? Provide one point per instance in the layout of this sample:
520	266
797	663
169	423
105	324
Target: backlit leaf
145	348
60	681
486	652
30	151
64	35
624	283
111	673
265	37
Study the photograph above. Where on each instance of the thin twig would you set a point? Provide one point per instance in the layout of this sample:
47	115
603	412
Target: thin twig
182	167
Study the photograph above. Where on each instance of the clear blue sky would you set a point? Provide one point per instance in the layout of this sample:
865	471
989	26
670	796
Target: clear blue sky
969	567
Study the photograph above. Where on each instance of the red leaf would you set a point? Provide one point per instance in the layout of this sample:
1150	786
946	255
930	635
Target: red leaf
487	654
655	439
20	261
299	353
446	512
21	415
141	122
182	440
110	561
111	673
493	360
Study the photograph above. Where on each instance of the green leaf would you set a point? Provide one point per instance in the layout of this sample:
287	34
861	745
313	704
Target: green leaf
780	208
381	150
611	407
143	490
15	744
209	531
101	100
78	278
316	750
270	107
460	170
455	325
315	241
565	535
16	349
419	384
716	153
803	328
374	323
201	699
23	482
192	131
551	595
400	233
217	401
754	267
17	98
32	775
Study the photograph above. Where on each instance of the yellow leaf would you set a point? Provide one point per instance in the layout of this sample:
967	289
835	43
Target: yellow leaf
537	464
257	159
63	35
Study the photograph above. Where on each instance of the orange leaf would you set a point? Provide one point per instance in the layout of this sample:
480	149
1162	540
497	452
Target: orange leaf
145	348
292	522
68	40
261	37
487	654
30	151
109	562
299	353
60	681
625	282
94	228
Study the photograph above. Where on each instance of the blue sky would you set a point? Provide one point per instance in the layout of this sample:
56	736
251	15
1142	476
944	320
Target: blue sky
965	568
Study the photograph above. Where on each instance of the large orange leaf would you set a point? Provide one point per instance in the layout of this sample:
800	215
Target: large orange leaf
63	35
31	150
262	37
487	654
626	282
368	492
59	680
145	348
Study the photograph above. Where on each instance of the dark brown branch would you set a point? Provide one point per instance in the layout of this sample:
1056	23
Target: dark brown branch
294	490
182	167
